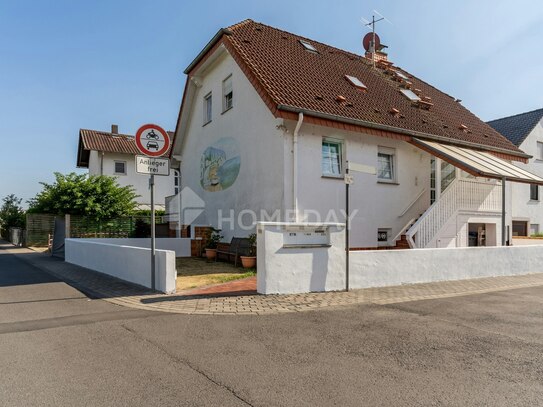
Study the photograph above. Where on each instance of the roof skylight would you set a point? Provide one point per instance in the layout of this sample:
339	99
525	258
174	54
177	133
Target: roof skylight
409	94
308	46
401	75
356	82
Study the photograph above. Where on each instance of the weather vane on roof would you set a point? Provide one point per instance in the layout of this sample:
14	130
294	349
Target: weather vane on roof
371	40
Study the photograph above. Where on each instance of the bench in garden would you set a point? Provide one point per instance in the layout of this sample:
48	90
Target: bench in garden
239	246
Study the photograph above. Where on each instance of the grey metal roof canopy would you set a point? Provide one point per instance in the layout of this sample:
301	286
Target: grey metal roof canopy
478	163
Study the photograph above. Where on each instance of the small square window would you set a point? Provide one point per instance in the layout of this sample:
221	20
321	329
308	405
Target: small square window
534	192
534	229
386	171
207	108
539	150
227	94
331	158
120	167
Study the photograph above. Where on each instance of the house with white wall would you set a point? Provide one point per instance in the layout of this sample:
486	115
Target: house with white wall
270	122
525	130
113	154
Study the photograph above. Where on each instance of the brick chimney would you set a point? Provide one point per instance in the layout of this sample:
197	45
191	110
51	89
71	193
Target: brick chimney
114	129
379	56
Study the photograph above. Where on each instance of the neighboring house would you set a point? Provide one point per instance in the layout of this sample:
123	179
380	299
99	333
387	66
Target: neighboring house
111	153
525	130
269	121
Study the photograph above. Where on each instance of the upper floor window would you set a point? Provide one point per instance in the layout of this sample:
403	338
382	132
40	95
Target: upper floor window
227	94
331	162
386	165
534	192
207	108
176	181
120	168
539	150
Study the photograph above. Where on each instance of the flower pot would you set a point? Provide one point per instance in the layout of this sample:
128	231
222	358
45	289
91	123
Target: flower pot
211	254
248	262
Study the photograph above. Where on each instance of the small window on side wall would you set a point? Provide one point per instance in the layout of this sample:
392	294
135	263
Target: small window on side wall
207	108
332	156
534	192
227	94
120	168
386	165
539	151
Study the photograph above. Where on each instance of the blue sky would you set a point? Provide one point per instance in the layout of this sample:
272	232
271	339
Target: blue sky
66	65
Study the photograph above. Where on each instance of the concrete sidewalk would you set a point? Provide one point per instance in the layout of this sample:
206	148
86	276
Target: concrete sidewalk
122	293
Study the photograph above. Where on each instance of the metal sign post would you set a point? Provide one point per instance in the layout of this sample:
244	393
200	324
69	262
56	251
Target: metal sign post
153	142
366	169
153	237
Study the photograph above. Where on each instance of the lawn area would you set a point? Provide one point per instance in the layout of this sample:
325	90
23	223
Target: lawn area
195	272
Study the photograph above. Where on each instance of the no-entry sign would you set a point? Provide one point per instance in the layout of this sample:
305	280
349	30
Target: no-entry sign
152	140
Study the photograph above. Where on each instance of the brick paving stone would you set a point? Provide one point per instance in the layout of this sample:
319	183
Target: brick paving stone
122	293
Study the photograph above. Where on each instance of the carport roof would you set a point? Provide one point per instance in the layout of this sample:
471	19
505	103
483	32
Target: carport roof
478	163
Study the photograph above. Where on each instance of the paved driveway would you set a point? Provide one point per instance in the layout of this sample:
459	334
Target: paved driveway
483	349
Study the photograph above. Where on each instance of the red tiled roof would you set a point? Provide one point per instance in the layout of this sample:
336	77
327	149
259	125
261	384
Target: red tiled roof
108	142
290	79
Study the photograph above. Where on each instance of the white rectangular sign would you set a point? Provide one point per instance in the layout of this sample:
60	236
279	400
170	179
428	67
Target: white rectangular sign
152	165
362	168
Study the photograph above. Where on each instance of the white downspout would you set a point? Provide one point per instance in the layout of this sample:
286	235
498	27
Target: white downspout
295	165
102	163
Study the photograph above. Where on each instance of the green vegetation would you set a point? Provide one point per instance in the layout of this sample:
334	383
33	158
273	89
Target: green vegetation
12	214
540	234
97	197
236	276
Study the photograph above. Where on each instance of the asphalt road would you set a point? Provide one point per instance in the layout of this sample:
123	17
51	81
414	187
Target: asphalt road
59	348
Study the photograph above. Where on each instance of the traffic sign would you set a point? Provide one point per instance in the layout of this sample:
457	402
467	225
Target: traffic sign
152	165
152	140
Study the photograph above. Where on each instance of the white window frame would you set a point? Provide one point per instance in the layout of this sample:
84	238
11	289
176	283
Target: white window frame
340	144
225	93
532	186
208	108
176	182
115	162
394	165
308	46
539	151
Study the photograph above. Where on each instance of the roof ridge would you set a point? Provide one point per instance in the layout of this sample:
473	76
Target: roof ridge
516	115
109	133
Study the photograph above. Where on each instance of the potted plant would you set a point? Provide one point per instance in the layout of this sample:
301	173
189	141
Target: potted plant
212	241
249	261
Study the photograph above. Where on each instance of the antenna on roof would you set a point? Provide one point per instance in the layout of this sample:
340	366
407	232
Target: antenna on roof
373	37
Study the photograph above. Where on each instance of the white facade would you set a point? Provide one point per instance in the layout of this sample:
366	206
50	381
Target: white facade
103	163
265	182
526	211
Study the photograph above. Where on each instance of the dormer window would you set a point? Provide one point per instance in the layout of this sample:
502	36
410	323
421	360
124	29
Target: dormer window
308	46
356	82
409	94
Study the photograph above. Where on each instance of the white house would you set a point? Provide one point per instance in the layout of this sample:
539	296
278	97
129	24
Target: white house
525	130
111	153
270	121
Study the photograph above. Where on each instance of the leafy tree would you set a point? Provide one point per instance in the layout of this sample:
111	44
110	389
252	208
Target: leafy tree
11	214
96	196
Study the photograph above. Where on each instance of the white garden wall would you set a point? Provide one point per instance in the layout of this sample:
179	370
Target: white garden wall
181	246
287	270
132	264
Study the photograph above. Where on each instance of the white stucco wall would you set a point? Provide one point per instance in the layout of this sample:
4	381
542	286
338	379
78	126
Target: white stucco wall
164	185
379	204
252	126
291	270
128	263
523	208
283	270
181	246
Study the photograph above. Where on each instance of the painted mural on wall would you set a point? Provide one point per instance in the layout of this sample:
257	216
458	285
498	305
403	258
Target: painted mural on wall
219	165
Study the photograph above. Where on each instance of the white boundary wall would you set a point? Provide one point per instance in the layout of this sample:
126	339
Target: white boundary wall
128	263
284	270
181	246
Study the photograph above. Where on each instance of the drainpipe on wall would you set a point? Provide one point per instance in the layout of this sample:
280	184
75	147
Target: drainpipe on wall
295	165
102	163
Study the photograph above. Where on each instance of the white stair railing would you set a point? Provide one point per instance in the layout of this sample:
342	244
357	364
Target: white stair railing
462	194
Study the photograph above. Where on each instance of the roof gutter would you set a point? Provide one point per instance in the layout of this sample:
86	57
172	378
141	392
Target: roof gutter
210	44
398	130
